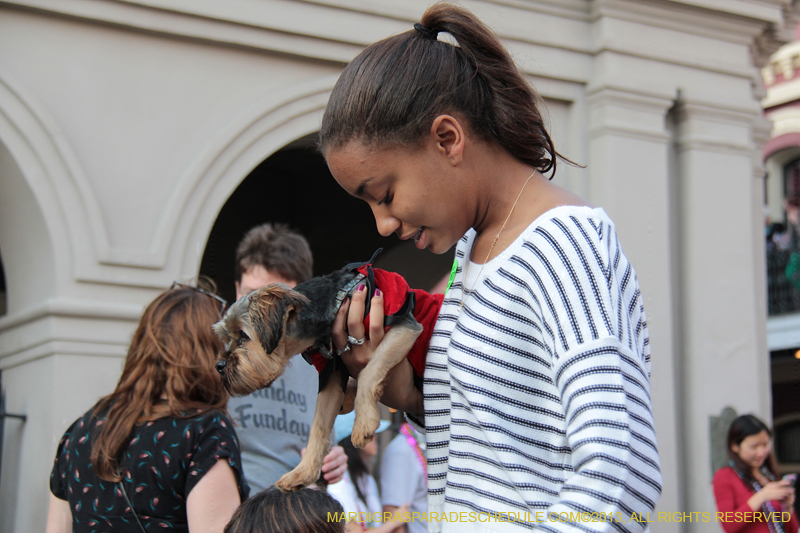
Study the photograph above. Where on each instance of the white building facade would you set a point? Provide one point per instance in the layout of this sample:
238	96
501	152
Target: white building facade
125	126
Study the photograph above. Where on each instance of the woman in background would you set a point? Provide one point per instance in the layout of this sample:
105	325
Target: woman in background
358	491
159	452
750	484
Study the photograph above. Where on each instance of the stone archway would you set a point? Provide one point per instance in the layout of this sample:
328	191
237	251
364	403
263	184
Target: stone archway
275	138
294	186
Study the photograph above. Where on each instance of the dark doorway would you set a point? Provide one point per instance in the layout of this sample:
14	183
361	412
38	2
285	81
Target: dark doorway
786	410
294	186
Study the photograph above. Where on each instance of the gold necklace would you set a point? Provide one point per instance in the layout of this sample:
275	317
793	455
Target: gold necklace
466	293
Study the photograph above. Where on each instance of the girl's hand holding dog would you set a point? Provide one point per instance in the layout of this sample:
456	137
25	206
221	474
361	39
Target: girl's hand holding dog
399	391
357	357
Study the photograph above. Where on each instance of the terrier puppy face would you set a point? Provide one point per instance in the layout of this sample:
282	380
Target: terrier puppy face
253	334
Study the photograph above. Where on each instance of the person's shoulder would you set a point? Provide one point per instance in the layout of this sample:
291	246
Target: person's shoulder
397	445
86	422
399	457
216	416
202	421
568	219
560	237
724	474
78	433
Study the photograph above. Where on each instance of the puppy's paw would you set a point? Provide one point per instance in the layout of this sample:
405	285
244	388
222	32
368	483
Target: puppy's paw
349	397
364	428
297	479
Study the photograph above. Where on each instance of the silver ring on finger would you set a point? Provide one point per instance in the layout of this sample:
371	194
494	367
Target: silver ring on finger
355	342
346	348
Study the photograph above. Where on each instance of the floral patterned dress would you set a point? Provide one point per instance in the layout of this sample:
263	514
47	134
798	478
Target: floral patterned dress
164	460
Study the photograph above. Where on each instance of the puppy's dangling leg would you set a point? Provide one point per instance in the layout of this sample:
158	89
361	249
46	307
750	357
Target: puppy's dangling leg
392	349
329	400
349	396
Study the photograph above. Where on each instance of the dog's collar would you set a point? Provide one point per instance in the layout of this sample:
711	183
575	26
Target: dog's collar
329	351
347	289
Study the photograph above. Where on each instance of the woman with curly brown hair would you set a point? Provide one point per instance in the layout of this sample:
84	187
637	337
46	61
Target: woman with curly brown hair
160	450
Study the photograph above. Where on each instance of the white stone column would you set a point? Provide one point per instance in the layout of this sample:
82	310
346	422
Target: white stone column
722	281
628	164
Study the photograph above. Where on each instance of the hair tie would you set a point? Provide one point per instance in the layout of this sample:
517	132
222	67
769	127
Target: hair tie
425	32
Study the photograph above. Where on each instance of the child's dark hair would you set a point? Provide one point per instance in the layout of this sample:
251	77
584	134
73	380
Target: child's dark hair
272	511
355	465
741	428
394	89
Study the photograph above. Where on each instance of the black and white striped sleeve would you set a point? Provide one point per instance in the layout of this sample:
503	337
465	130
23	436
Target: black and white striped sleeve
590	299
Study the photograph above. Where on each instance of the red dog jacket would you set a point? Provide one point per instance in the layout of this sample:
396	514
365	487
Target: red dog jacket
423	305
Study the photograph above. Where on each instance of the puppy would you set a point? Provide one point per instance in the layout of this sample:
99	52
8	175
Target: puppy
262	331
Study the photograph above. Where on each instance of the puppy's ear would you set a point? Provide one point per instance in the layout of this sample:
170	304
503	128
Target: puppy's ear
220	331
271	308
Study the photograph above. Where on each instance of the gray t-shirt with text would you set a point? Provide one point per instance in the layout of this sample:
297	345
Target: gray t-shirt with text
273	424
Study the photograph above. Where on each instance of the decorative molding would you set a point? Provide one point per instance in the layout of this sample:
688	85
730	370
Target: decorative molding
759	31
620	112
53	173
71	308
302	27
768	10
577	9
775	35
63	347
275	25
782	93
272	112
721	21
782	65
412	10
275	121
710	128
761	26
94	260
24	125
28	335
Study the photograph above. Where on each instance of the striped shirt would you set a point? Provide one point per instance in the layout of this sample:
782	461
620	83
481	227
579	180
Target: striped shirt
537	393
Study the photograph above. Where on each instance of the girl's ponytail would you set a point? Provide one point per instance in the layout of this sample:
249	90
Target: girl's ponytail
394	89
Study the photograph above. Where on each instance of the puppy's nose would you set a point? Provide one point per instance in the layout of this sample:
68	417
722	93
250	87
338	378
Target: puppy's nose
221	364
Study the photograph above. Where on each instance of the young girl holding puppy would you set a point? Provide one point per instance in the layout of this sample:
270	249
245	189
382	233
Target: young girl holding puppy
536	388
